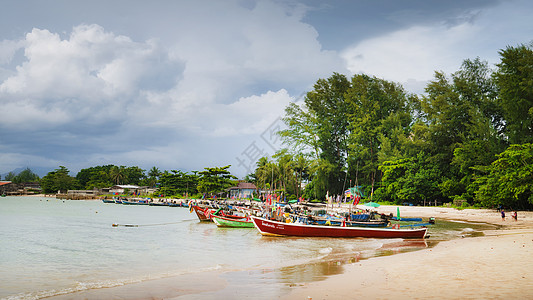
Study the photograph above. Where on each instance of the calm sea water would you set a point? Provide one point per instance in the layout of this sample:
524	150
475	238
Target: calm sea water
54	247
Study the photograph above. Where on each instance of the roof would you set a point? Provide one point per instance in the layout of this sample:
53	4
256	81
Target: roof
126	186
244	185
4	182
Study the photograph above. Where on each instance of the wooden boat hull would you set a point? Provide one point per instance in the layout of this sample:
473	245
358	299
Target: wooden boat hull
234	223
158	204
134	203
201	213
370	223
275	228
206	214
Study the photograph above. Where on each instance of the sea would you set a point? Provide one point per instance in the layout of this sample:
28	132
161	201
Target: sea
66	249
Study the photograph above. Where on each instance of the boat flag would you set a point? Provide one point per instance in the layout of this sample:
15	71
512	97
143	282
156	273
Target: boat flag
398	213
356	199
348	193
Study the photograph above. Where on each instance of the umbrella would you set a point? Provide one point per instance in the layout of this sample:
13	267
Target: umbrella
371	204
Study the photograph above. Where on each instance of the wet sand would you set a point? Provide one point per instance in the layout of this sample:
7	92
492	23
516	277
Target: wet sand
498	265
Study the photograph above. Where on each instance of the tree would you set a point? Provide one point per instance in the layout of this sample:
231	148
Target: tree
302	133
320	128
177	183
465	126
95	177
379	111
514	79
58	181
133	175
118	174
153	176
508	181
25	176
10	176
327	102
411	180
215	180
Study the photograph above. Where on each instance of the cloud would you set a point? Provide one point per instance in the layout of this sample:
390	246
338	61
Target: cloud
411	56
90	76
216	75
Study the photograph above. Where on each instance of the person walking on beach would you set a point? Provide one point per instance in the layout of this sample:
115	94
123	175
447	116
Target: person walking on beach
515	216
503	215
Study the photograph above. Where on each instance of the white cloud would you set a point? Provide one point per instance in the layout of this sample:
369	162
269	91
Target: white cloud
8	49
411	56
89	75
248	116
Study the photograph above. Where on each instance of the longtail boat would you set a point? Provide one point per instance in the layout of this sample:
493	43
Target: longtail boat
245	222
201	213
312	220
126	202
205	214
158	204
275	228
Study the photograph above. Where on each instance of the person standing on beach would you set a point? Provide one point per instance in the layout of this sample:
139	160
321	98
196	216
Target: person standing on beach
515	216
503	215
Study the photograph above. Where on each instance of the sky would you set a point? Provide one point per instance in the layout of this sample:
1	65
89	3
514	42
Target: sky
185	85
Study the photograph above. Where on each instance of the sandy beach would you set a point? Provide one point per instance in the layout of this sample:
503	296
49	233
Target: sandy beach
498	265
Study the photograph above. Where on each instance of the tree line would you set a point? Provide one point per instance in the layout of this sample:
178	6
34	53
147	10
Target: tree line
469	137
174	183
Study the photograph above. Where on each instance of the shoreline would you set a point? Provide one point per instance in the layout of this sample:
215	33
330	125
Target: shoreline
497	265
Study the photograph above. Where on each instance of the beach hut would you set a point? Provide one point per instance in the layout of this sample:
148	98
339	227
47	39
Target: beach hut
242	190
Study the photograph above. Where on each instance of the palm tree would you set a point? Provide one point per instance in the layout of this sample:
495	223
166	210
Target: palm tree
153	175
118	174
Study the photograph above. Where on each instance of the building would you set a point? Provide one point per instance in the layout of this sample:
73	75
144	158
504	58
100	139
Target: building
242	190
27	188
125	188
6	187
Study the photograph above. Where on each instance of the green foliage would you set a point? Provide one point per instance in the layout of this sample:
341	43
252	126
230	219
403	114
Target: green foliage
215	180
515	82
177	183
509	179
24	176
379	115
153	176
58	180
10	176
109	175
95	177
411	180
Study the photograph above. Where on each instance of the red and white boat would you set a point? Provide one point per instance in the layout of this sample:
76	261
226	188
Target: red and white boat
275	228
205	214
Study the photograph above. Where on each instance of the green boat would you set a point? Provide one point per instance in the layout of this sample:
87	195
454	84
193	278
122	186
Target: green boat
245	222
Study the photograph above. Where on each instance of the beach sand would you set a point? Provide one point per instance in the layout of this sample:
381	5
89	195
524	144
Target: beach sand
498	265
